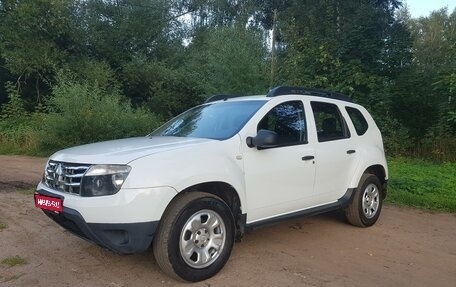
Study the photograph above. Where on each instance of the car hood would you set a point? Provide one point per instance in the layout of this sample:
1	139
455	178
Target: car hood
123	151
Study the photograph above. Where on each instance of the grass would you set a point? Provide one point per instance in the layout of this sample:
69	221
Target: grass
27	191
422	184
14	261
3	226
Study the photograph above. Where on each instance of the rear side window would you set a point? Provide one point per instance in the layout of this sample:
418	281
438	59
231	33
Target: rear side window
358	120
329	122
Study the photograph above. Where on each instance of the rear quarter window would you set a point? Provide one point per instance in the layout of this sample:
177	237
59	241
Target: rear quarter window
358	120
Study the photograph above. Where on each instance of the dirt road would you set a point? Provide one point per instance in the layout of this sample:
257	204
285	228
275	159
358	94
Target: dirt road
406	247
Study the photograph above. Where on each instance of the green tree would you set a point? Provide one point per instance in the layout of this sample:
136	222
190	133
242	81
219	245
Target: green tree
229	60
118	31
36	37
163	89
422	96
341	45
435	56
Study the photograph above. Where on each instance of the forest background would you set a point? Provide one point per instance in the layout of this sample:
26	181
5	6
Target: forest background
74	72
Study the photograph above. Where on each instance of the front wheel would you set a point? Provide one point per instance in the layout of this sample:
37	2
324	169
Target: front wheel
195	237
367	202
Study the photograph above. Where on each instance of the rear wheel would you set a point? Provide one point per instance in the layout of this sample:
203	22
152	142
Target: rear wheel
367	202
195	237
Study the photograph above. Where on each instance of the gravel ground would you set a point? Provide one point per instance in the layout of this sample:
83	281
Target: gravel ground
406	247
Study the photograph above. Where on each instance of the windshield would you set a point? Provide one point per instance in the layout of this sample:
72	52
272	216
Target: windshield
218	121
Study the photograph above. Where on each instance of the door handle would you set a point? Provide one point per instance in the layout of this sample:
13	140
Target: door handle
351	151
308	157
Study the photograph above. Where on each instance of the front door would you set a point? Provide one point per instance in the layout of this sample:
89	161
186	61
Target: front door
279	179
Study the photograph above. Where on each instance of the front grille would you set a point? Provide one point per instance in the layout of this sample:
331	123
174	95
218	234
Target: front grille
64	177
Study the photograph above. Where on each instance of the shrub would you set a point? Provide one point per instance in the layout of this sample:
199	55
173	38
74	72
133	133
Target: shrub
81	113
395	136
13	111
17	130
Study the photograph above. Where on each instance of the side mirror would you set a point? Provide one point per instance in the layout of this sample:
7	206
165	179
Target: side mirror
263	139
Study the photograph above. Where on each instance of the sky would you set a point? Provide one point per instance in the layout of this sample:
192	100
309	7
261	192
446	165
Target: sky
420	8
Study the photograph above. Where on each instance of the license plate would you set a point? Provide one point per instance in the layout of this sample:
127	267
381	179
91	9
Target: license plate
48	203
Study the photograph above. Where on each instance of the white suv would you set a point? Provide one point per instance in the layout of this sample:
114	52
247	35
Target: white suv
193	186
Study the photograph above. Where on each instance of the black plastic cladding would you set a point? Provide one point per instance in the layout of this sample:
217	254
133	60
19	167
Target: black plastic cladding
285	90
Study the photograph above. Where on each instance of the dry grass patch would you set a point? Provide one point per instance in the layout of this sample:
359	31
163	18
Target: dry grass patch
14	261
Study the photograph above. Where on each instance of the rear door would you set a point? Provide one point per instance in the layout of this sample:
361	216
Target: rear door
335	152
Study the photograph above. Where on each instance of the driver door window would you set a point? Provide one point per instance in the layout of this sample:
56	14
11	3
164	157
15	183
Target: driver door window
288	121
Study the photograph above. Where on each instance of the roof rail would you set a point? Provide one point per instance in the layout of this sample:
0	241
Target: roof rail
219	97
285	90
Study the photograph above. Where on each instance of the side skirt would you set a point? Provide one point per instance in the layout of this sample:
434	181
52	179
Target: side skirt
339	204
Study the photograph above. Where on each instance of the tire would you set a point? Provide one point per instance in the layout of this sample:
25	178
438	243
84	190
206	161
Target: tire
201	224
367	202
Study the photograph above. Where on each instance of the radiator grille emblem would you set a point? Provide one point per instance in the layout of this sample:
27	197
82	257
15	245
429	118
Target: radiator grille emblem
64	177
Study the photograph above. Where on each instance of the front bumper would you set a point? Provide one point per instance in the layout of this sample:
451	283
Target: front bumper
124	238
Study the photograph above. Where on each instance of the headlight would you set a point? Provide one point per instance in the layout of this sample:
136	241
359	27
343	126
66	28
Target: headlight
102	180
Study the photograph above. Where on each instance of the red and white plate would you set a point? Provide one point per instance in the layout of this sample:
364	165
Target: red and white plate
48	203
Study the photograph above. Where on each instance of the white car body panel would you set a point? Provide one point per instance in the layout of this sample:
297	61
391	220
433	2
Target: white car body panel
269	183
122	151
211	161
126	206
266	171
